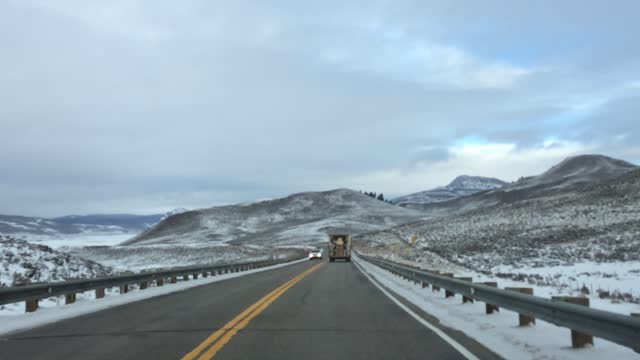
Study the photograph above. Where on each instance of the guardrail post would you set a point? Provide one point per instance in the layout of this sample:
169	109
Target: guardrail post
490	308
524	319
205	274
124	289
466	299
159	281
185	277
69	298
174	279
434	287
195	276
448	293
143	285
99	293
31	305
578	339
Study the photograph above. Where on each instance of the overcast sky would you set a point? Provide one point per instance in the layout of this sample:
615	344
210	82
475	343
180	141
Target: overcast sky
144	106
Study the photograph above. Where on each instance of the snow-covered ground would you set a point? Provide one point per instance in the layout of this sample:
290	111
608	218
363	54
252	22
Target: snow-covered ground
76	240
606	284
587	234
22	263
499	331
13	317
620	279
149	257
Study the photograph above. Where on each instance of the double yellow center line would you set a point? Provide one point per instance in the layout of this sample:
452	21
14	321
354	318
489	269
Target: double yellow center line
211	345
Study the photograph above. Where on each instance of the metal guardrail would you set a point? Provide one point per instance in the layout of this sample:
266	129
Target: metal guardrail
618	328
34	292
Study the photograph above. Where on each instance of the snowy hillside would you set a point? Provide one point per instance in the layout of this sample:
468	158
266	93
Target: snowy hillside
24	263
151	257
563	177
296	219
461	186
80	224
577	169
588	222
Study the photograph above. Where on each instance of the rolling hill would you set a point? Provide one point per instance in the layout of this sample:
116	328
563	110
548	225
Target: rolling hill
583	209
296	219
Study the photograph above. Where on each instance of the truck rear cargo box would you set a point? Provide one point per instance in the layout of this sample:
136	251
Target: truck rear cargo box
339	247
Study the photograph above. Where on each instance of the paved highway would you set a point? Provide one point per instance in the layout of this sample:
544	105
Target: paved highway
310	310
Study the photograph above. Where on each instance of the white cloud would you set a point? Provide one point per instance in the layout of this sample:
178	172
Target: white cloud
502	160
125	18
429	63
449	65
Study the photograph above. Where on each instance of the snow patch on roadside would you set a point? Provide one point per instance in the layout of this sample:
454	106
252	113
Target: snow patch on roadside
499	332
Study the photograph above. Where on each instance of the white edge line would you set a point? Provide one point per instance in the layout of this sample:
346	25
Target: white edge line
461	349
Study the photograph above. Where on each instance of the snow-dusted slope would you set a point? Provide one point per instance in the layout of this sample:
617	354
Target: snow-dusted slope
577	169
597	221
296	219
461	186
23	263
572	171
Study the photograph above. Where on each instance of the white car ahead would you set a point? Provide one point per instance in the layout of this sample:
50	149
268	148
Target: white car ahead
315	254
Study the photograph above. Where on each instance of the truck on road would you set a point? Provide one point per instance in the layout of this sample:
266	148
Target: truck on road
339	247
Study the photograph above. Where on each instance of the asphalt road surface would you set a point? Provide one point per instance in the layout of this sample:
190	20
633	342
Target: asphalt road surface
310	310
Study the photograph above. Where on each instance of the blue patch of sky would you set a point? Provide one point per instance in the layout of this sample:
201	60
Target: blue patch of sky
518	47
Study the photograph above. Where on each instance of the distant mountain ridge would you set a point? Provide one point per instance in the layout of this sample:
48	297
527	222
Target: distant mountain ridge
461	186
78	224
572	171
